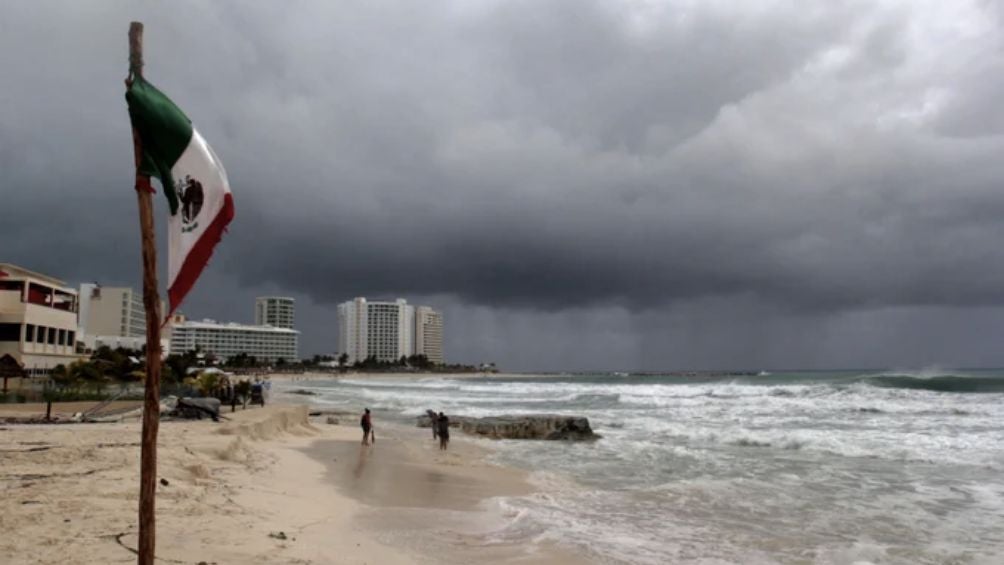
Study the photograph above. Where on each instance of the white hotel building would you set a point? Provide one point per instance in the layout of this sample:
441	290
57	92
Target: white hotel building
38	319
388	331
111	311
266	343
114	316
429	334
276	311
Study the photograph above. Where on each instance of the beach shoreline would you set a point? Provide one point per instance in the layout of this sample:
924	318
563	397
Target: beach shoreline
267	486
440	506
843	467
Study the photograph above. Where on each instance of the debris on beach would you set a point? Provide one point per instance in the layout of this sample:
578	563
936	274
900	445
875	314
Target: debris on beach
331	412
196	409
332	416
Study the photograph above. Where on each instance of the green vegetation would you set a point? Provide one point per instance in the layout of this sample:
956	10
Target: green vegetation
108	372
417	363
13	397
205	383
243	361
89	379
113	372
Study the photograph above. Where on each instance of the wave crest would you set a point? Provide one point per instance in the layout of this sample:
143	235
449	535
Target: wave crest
940	383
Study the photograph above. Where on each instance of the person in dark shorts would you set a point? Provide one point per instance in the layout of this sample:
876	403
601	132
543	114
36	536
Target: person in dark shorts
443	425
367	424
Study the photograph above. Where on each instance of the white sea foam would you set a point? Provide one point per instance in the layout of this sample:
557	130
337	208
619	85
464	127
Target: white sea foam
831	469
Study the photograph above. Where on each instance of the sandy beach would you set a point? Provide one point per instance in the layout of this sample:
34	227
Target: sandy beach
268	486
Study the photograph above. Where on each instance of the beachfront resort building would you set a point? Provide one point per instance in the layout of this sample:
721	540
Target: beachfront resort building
429	334
114	316
225	340
353	317
276	311
38	319
388	331
111	311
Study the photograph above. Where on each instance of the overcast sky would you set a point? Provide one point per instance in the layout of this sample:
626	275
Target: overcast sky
576	184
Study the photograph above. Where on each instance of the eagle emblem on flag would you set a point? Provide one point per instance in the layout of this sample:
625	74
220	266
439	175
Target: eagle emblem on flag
191	196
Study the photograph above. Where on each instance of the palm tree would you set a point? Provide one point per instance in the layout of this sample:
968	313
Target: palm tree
89	373
60	376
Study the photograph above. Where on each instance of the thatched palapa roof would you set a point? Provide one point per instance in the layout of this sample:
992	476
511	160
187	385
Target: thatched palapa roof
10	368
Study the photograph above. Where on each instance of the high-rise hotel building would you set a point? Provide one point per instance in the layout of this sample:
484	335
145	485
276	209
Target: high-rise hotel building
388	331
111	311
114	316
275	311
429	334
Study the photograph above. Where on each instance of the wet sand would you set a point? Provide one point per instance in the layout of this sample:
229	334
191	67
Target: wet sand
407	469
438	506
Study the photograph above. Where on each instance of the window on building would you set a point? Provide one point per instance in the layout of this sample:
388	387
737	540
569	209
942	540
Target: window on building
10	332
40	334
52	336
61	300
17	286
29	334
71	337
38	294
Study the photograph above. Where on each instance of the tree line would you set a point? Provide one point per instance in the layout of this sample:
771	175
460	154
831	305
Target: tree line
122	368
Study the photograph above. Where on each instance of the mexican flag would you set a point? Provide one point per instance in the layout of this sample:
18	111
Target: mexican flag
193	179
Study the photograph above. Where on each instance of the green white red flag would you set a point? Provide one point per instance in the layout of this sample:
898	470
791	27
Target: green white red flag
193	179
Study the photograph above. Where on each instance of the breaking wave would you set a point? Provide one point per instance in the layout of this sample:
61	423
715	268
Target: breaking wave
941	383
691	464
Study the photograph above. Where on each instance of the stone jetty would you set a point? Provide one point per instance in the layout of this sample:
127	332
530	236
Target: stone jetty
530	426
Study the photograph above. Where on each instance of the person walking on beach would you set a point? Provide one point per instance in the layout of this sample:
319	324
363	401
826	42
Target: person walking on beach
367	424
443	424
433	423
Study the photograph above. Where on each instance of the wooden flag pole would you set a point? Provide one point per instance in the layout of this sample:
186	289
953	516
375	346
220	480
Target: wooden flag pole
151	301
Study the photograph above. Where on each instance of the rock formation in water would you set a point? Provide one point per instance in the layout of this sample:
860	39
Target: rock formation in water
425	421
535	426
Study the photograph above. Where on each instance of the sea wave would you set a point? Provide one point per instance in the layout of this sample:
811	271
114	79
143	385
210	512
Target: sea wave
791	444
941	383
688	468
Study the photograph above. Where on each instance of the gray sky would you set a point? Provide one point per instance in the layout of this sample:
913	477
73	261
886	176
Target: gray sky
576	184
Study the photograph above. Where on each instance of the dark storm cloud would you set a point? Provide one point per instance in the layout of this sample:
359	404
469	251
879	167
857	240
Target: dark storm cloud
656	175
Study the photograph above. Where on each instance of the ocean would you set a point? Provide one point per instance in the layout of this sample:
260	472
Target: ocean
848	467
